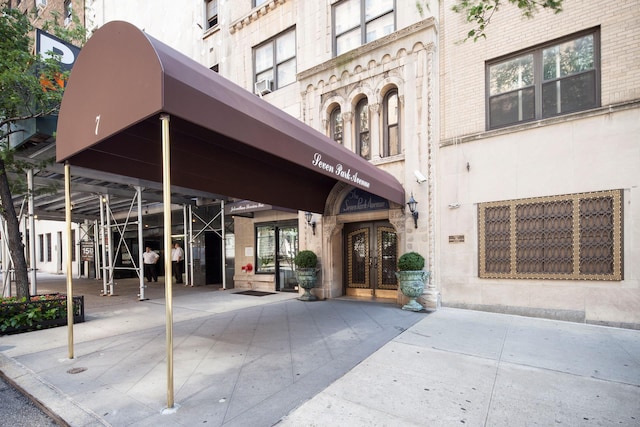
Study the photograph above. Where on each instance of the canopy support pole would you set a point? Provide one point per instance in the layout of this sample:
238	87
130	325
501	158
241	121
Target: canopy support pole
168	282
224	246
67	212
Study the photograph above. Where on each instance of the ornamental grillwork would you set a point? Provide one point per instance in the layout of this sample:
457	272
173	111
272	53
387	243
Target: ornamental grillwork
358	258
387	252
576	236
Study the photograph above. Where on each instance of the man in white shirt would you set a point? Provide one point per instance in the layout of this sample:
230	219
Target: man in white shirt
177	255
150	258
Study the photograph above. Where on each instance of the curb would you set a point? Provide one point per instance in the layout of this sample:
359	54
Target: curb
59	406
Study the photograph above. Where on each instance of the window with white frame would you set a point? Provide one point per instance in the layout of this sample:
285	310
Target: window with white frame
68	12
556	78
257	3
335	119
275	62
357	22
391	122
212	13
363	142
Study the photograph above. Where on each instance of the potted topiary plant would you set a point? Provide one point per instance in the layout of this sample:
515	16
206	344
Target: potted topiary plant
307	273
412	277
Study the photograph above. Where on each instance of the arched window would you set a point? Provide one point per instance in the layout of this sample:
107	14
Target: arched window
363	143
335	126
391	123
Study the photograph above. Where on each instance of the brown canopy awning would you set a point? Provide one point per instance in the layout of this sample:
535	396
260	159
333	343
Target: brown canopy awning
224	139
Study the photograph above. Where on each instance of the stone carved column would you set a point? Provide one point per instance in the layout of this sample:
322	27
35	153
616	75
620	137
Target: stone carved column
430	299
347	133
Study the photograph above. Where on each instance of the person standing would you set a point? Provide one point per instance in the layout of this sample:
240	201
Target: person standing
177	255
150	258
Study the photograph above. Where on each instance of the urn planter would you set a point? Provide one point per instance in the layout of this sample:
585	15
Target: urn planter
412	284
412	278
307	273
307	279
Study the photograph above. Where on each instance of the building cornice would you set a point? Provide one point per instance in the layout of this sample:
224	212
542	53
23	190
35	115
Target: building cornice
255	14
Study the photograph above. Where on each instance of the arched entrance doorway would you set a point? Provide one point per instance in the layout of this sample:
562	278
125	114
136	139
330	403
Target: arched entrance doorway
370	250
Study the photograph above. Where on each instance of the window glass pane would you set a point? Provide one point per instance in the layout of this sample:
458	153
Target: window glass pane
257	3
286	73
286	46
510	75
365	145
375	8
379	28
336	125
392	108
265	75
212	13
394	141
363	117
264	57
348	41
212	8
568	58
265	242
512	108
347	15
569	94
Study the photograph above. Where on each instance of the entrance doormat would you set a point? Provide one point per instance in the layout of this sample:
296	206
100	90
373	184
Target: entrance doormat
254	293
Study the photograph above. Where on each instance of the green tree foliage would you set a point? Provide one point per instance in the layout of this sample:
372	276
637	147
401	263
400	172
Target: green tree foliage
31	87
480	12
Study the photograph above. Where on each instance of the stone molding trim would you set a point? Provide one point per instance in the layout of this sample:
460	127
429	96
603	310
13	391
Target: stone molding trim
363	52
255	14
607	109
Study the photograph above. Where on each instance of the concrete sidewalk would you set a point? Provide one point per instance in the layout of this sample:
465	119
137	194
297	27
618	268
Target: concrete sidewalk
258	361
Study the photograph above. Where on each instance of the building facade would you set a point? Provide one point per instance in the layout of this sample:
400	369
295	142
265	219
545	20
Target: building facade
521	150
538	150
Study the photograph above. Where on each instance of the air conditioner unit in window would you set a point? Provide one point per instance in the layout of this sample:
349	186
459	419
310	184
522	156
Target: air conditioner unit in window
41	3
263	86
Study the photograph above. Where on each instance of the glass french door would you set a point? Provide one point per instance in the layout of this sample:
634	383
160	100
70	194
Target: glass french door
371	253
287	250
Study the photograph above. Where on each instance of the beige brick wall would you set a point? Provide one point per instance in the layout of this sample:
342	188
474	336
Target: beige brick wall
462	64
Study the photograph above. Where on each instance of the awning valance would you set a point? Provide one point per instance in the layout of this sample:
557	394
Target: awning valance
224	139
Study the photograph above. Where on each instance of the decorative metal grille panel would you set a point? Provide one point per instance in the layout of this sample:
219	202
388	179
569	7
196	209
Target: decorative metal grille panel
498	232
387	254
576	236
358	258
596	236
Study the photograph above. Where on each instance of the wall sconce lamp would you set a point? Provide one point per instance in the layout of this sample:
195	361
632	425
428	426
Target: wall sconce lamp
308	216
412	207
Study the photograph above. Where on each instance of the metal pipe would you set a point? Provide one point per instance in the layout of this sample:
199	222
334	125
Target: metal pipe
67	214
187	244
102	238
190	278
109	238
141	247
96	250
168	282
224	247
